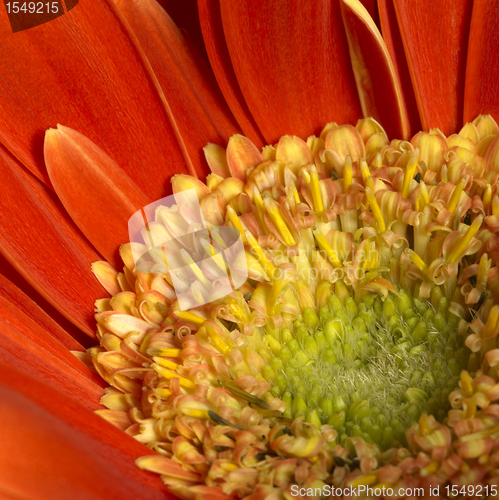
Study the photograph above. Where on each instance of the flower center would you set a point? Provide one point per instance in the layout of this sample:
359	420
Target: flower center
368	369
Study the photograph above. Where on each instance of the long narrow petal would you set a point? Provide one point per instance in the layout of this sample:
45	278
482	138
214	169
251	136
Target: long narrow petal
393	39
55	448
193	96
66	71
45	247
216	46
435	35
292	64
27	356
98	195
38	309
377	82
26	307
481	92
21	330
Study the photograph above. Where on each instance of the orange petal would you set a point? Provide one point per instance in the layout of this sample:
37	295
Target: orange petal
377	82
52	447
292	64
194	99
481	93
435	37
68	72
16	288
218	53
98	195
241	155
25	306
51	363
393	40
44	247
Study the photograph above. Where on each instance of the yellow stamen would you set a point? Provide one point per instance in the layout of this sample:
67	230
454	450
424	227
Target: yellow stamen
487	196
312	179
370	183
197	292
216	340
326	247
210	252
257	250
460	248
444	174
215	234
292	191
194	267
275	216
409	173
190	317
165	363
163	393
234	219
191	412
456	194
470	408
347	174
430	468
376	210
466	385
169	375
423	198
364	169
495	205
424	426
492	323
227	467
277	287
364	480
418	261
167	353
480	435
483	272
260	210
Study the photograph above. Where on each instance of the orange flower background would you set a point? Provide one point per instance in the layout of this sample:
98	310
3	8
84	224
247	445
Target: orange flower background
123	75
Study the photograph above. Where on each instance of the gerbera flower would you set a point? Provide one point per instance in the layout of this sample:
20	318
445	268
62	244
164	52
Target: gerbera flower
361	351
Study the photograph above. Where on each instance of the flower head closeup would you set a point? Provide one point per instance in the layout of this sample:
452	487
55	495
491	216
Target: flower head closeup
315	308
